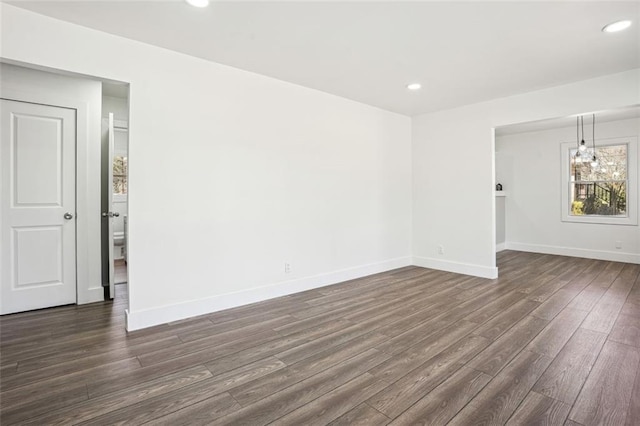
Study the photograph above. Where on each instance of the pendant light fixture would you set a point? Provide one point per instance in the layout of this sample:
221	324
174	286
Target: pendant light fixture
594	159
582	153
583	146
578	155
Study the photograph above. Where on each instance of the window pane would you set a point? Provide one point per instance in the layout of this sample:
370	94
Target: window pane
120	185
599	189
119	165
612	164
599	198
119	174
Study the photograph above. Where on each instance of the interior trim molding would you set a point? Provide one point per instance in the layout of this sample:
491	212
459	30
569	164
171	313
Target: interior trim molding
47	94
144	318
501	246
457	267
612	256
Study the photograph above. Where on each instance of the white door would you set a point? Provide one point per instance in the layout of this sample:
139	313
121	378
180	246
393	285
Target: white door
38	229
111	213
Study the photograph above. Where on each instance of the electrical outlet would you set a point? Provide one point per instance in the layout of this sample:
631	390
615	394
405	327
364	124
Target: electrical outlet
440	249
618	244
287	268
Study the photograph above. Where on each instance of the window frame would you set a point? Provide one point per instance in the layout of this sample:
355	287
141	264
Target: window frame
631	217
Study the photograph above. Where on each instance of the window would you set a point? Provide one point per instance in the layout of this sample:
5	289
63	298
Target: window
600	188
120	166
604	191
119	175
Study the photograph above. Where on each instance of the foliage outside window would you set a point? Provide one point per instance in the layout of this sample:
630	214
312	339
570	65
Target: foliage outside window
599	189
606	191
120	175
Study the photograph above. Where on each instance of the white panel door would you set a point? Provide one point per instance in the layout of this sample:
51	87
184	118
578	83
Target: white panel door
38	229
110	214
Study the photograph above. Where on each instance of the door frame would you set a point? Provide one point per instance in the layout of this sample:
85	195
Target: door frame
45	96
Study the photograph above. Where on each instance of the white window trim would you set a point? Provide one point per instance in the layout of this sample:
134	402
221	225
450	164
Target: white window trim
632	184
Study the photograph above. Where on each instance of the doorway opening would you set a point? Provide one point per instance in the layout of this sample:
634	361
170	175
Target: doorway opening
114	188
553	201
62	180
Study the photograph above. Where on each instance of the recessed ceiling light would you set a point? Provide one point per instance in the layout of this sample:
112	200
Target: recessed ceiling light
414	86
614	27
198	3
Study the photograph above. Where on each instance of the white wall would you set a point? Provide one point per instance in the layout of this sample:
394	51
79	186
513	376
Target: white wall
42	87
117	106
529	165
453	154
501	226
238	172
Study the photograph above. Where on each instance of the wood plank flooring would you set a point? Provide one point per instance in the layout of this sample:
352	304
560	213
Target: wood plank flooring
120	269
555	340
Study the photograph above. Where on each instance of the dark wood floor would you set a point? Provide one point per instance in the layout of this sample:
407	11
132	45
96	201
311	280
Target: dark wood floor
120	269
555	340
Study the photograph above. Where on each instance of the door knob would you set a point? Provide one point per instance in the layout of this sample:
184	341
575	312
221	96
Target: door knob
110	214
68	216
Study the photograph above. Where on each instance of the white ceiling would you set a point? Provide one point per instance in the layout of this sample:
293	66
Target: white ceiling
461	52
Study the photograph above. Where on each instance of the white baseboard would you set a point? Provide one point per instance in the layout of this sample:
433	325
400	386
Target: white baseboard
155	316
457	267
500	247
613	256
